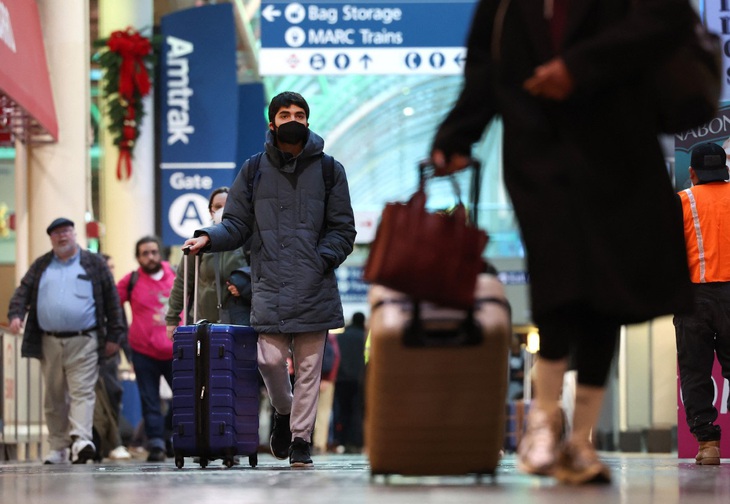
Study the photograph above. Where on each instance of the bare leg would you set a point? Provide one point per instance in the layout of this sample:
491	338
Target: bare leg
538	449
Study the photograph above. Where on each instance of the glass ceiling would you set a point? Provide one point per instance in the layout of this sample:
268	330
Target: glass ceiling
380	127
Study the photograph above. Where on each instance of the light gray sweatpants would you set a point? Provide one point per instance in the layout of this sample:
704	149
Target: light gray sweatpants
70	368
307	351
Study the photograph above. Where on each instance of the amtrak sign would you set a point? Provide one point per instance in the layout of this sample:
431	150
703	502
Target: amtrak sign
199	122
381	37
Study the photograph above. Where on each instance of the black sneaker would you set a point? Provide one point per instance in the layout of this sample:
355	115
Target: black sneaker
156	455
299	453
82	451
280	437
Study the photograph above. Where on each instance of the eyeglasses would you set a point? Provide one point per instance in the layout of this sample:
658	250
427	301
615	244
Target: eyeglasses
62	231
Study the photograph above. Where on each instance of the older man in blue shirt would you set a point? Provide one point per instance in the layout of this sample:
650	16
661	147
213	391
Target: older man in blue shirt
74	317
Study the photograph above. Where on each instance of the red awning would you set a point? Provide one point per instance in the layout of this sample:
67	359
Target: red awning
26	99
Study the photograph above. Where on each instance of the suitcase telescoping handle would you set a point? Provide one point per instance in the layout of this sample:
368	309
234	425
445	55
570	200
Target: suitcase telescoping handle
186	253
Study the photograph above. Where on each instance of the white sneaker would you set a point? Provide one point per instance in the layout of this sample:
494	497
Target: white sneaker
58	457
537	452
120	453
82	451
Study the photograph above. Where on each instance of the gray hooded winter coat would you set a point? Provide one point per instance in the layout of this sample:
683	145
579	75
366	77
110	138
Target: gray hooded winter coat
295	247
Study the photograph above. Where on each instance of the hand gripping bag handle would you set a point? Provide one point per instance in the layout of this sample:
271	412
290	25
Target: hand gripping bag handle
474	191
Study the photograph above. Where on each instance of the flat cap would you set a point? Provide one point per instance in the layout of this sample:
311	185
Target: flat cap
61	221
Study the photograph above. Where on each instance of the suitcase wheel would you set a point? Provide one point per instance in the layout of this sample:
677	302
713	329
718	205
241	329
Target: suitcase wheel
203	462
228	462
179	461
253	460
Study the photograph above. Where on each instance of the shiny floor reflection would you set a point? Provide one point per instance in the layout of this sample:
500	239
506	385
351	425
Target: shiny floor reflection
345	479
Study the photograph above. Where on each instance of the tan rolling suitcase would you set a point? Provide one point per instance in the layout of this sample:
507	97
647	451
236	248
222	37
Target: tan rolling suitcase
436	390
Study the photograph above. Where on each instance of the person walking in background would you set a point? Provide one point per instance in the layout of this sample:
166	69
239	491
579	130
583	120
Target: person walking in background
705	331
566	76
151	348
330	367
294	202
516	385
349	388
233	287
74	318
109	399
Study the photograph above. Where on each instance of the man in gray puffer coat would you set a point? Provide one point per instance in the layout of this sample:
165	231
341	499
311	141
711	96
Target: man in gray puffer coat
301	231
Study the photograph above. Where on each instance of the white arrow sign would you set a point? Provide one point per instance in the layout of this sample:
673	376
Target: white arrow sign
270	13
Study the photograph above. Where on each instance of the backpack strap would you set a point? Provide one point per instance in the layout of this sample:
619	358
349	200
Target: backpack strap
132	282
328	174
254	162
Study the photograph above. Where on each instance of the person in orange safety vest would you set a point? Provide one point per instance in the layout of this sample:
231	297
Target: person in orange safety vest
705	332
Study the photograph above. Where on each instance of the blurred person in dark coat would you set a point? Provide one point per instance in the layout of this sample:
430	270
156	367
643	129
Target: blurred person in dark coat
349	394
589	185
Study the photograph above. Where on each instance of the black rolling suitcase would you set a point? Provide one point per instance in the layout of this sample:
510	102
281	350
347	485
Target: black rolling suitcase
215	391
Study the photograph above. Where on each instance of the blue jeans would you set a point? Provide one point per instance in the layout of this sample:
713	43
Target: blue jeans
148	371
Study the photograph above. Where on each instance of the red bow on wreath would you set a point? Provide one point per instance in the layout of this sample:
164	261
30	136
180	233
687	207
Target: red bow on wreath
134	84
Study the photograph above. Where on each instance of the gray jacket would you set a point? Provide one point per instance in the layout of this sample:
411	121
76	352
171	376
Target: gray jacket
295	247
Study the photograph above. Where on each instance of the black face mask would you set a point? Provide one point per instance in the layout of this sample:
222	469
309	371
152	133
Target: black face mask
292	132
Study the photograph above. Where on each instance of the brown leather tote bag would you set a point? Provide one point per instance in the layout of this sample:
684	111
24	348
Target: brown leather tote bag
430	256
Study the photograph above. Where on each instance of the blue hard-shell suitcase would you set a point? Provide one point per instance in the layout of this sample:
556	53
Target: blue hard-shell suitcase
215	392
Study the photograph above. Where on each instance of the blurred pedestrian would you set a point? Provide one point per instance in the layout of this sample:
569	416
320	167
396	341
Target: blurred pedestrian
74	319
705	332
233	286
109	399
151	348
601	226
330	368
349	388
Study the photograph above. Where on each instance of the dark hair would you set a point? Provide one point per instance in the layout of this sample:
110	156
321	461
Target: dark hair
147	239
358	319
215	193
286	99
106	256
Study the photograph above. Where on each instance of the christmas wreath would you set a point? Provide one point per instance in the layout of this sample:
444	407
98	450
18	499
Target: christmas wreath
126	58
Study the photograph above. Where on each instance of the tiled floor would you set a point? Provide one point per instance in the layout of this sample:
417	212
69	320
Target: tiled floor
345	479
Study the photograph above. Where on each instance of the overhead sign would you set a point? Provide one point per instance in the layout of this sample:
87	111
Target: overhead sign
199	123
381	37
716	20
716	130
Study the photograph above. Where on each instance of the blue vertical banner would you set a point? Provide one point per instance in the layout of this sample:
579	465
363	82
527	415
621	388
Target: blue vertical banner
199	115
252	120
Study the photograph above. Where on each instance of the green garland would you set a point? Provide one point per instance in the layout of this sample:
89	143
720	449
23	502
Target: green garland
126	59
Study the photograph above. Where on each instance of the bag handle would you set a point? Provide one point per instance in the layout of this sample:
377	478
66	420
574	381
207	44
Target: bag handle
474	193
217	268
186	253
469	332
